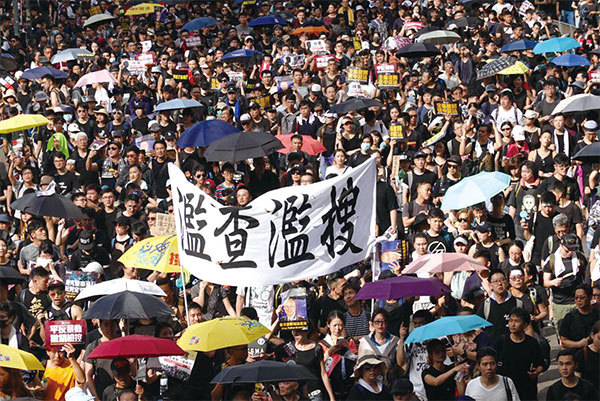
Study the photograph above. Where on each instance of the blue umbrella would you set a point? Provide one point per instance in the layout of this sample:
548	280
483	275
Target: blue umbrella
556	45
267	20
199	23
204	133
474	189
39	72
177	104
446	326
518	45
239	55
570	60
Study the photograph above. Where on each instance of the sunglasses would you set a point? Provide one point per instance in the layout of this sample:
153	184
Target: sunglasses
113	148
463	220
452	166
368	366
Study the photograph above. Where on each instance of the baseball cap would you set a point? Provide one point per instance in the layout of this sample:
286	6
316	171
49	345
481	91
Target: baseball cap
55	284
93	267
170	136
86	240
570	241
40	96
253	105
531	114
330	114
315	88
490	88
485	227
455	159
518	133
120	365
245	118
402	386
231	89
419	154
461	240
403	157
4	218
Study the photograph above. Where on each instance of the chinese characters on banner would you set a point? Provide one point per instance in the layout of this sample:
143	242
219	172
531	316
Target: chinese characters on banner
76	281
446	108
396	131
289	234
179	367
61	332
358	74
388	80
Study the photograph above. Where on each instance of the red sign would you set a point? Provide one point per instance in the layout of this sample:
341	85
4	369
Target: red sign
61	332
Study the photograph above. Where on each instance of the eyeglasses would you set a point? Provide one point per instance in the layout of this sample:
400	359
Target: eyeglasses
113	148
506	129
379	322
452	166
412	115
499	281
200	175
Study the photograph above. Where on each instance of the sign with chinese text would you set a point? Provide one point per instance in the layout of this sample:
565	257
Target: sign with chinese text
179	367
594	76
77	280
356	43
316	46
146	58
288	234
61	332
146	45
263	101
446	108
293	315
165	225
388	80
355	89
181	75
214	84
322	61
358	74
396	130
385	67
193	40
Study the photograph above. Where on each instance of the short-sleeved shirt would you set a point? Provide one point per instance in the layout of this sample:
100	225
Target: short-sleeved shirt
103	376
427	176
577	326
565	293
444	391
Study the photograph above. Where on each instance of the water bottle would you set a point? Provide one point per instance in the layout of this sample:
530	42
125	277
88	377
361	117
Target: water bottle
164	386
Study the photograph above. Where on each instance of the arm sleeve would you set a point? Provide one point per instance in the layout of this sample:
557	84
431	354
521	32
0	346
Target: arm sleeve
565	325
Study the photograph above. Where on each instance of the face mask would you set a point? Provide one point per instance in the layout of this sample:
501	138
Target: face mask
55	32
68	117
365	147
112	60
43	262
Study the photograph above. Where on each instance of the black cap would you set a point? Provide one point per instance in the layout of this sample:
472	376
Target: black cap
169	136
253	105
419	154
86	240
402	386
570	241
455	159
483	228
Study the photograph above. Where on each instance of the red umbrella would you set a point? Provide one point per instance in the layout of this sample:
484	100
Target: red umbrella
310	145
136	346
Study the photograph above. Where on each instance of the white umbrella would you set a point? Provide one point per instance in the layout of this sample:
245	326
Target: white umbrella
582	102
119	285
71	54
98	19
439	37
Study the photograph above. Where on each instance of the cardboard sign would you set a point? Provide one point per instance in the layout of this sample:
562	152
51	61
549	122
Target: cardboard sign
179	367
358	74
283	82
388	80
357	43
145	142
76	281
181	75
385	68
434	139
293	315
61	332
193	40
146	58
263	101
594	76
322	61
316	46
165	224
295	60
396	131
393	255
446	108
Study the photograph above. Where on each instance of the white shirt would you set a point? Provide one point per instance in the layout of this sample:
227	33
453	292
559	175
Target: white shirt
261	299
496	393
514	115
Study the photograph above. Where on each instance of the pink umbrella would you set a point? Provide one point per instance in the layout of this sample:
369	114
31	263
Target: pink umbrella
96	77
443	262
310	145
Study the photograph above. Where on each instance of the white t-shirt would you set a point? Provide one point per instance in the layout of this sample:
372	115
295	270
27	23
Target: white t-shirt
261	299
496	393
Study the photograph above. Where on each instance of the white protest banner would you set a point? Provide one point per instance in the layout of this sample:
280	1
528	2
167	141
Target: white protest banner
146	45
316	46
355	89
594	76
289	234
135	67
385	68
322	61
235	76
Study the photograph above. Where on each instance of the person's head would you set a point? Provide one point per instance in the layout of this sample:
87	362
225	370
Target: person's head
40	278
565	359
288	388
56	292
336	322
7	314
487	362
164	330
424	191
498	280
596	295
109	328
561	164
350	290
128	395
518	320
436	351
243	196
11	382
194	313
238	353
420	243
402	390
369	367
583	296
160	149
569	244
379	321
37	231
596	334
56	355
435	218
421	318
121	371
560	223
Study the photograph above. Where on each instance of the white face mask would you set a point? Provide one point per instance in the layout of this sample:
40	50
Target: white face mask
42	262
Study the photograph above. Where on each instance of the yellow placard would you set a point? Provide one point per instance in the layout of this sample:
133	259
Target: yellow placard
446	108
357	43
388	79
396	131
358	74
263	101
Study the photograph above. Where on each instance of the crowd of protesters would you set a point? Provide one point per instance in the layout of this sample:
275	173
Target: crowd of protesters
539	238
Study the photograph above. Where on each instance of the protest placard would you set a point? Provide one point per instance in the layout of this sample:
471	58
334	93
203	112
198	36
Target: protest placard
263	101
356	43
61	332
145	142
385	68
293	315
235	76
316	46
146	45
165	225
355	89
214	84
358	74
179	367
193	40
594	76
446	108
396	131
146	58
77	280
257	348
393	255
388	80
322	61
181	75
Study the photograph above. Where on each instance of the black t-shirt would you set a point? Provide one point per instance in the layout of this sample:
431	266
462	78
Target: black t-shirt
577	326
516	359
565	293
427	176
323	307
588	364
542	229
516	199
438	243
66	182
502	227
160	175
572	190
141	124
573	212
85	177
80	260
498	316
103	376
445	391
35	303
584	389
386	202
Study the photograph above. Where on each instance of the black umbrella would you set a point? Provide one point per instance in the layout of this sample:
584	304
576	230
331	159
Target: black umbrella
263	372
7	63
8	275
589	154
465	22
241	146
493	68
354	104
51	204
127	305
416	50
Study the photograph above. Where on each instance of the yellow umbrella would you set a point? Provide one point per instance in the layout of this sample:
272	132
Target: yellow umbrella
142	8
160	254
220	333
22	122
515	69
17	359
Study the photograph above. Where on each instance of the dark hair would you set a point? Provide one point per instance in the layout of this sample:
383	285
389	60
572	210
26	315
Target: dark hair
336	314
483	253
194	305
435	212
548	197
521	314
486	351
159	142
561	158
249	312
496	271
382	312
39	272
466	309
420	235
140	229
433	346
33	225
161	325
586	288
566	352
424	314
529	269
351	285
8	308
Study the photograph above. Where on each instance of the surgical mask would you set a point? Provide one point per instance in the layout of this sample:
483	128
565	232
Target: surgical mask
112	60
68	117
365	147
55	32
42	262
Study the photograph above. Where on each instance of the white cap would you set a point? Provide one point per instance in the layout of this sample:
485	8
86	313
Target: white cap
329	114
77	394
156	68
590	125
93	267
248	37
73	128
518	133
245	117
18	74
315	88
530	114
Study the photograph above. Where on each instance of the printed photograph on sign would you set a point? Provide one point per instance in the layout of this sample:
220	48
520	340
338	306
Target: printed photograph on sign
393	255
77	280
293	314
